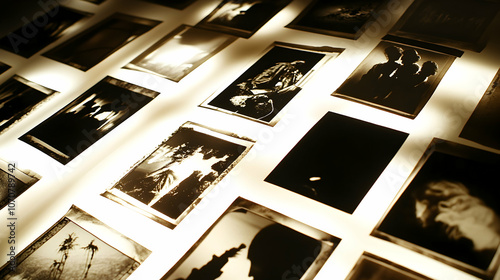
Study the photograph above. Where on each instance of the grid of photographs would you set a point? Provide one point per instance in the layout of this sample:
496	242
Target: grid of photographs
14	181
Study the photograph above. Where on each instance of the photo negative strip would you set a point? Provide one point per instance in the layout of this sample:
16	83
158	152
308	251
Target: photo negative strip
176	4
18	98
78	246
242	17
180	52
93	45
167	184
337	161
448	209
4	67
14	181
89	117
250	241
396	77
264	89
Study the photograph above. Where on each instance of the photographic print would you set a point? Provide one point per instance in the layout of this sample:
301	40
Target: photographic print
459	24
242	17
265	88
44	29
19	97
4	67
449	208
77	247
180	52
97	2
93	45
250	241
343	18
14	181
169	182
337	161
176	4
89	117
397	78
484	121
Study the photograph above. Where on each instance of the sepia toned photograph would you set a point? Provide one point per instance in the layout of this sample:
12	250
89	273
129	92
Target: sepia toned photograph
397	78
14	181
180	52
242	17
95	44
325	165
342	18
89	117
78	247
459	24
19	97
265	88
169	182
176	4
448	209
4	67
250	241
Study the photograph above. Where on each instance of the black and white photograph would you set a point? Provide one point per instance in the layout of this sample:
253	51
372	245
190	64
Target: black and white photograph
242	17
19	97
176	4
265	88
37	34
169	182
482	125
180	52
337	161
89	117
95	44
448	208
78	246
342	18
397	78
14	181
250	241
462	24
4	67
371	267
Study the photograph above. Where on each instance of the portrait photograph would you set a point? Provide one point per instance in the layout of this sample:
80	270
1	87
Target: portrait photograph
78	246
250	241
342	18
242	17
86	119
14	181
176	4
180	52
95	44
448	209
19	97
169	182
325	165
396	77
462	24
265	88
4	67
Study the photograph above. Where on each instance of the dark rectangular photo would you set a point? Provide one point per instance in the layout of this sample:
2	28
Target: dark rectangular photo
169	182
97	2
242	17
14	181
4	67
180	52
265	88
89	117
176	4
448	209
78	246
250	240
93	45
19	97
337	161
397	78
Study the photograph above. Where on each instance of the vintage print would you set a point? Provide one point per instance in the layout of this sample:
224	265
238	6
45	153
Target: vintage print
14	181
78	247
92	46
176	4
19	97
168	183
242	17
459	24
88	118
396	77
449	208
343	18
325	165
264	89
4	67
250	241
180	52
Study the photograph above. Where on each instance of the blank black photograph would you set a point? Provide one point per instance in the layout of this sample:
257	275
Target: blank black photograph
176	4
4	67
337	161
